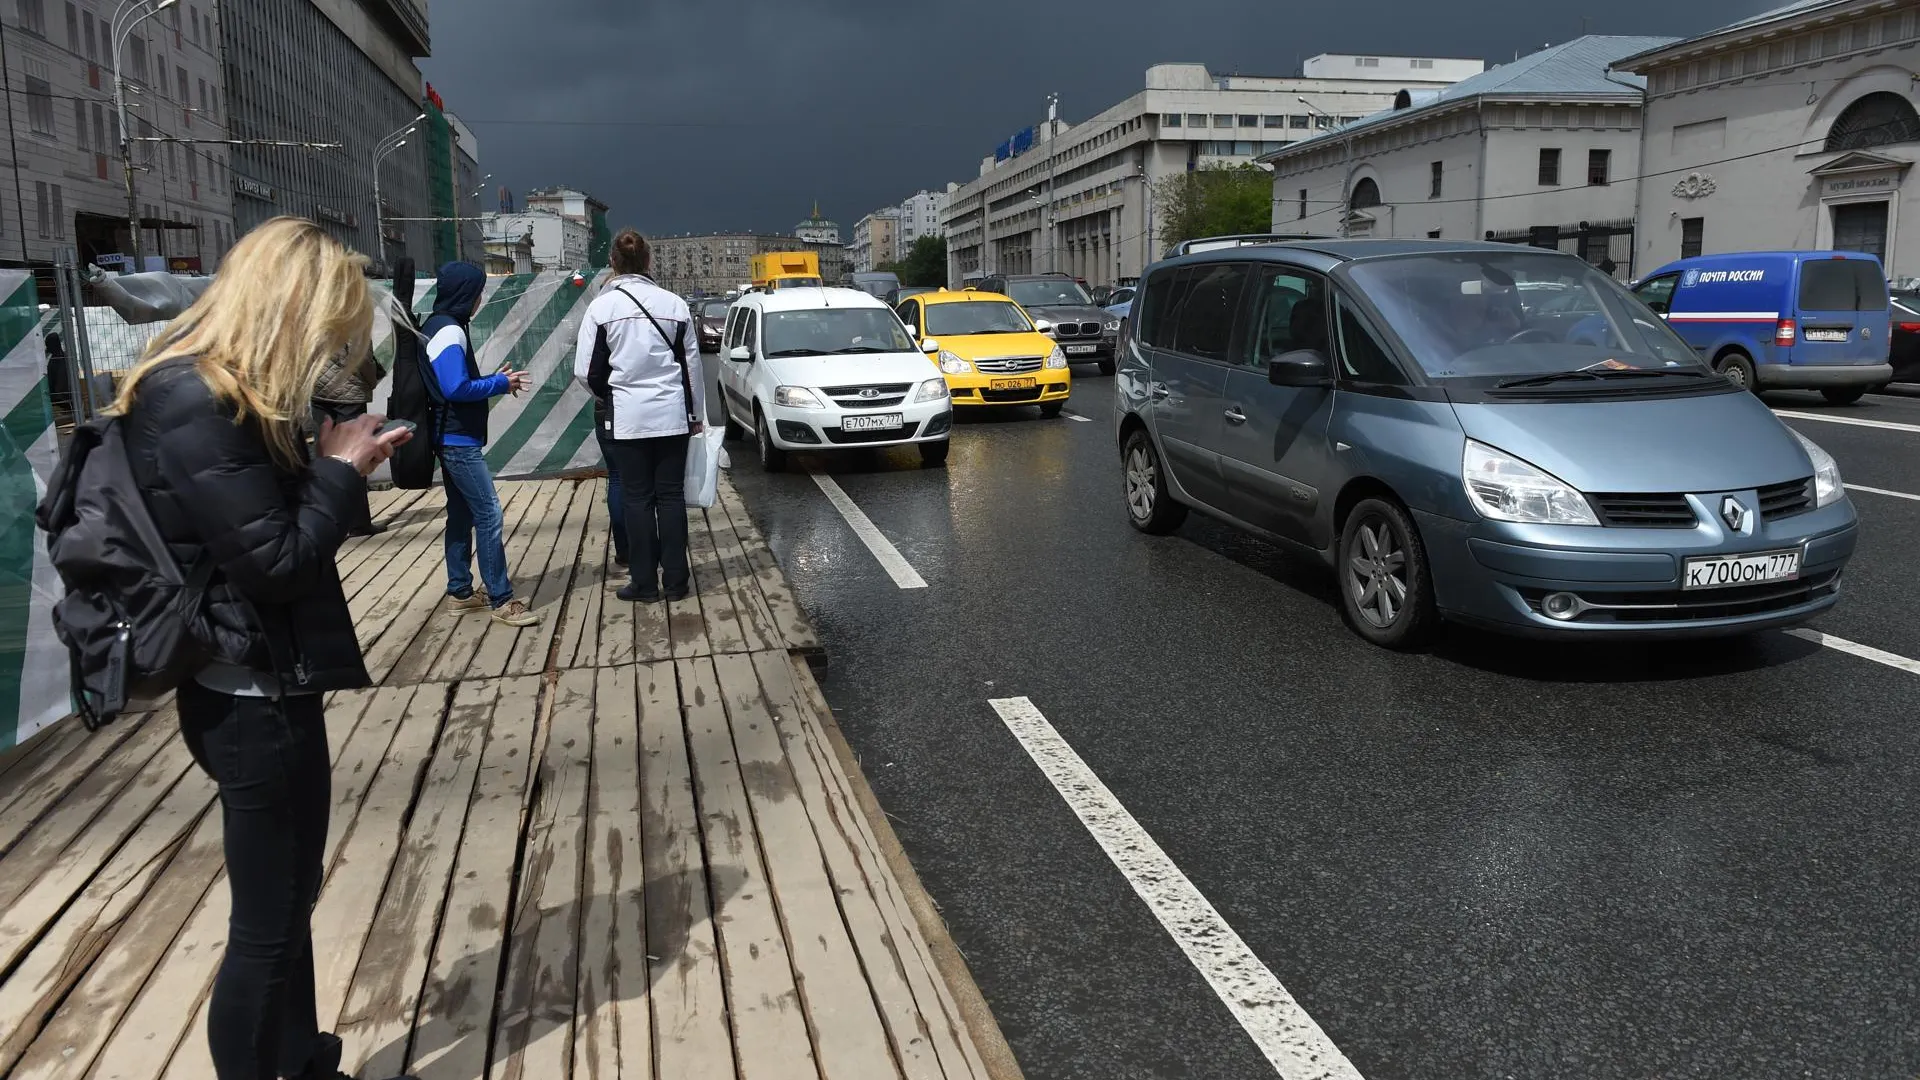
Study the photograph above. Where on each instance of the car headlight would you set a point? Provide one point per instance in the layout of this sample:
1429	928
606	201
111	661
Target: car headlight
1056	358
1827	488
931	390
1504	488
1113	325
954	365
796	397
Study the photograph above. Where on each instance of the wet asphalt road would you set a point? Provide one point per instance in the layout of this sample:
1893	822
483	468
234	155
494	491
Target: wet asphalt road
1493	859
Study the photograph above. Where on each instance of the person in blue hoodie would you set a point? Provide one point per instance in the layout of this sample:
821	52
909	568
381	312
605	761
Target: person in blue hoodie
473	508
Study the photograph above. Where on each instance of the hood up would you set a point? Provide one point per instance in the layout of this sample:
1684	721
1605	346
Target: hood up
457	291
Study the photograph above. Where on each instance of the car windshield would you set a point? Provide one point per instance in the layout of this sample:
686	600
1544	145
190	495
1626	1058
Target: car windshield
834	332
715	309
1494	315
1050	292
975	317
793	283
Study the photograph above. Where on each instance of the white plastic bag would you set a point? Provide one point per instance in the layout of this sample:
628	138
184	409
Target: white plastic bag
703	467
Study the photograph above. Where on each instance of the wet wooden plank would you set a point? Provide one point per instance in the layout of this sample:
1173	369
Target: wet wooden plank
519	528
613	1038
795	628
385	992
439	627
536	542
690	1033
51	783
769	1028
380	612
359	557
724	633
847	1030
527	650
579	635
456	1010
908	987
756	621
22	765
534	1036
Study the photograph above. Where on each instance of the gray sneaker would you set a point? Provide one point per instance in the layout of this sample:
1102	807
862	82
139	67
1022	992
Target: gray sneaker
462	605
515	613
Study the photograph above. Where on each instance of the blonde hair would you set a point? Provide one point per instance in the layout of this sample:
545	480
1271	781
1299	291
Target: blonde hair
287	301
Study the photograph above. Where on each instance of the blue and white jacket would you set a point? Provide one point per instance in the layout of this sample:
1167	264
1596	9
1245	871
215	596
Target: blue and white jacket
456	370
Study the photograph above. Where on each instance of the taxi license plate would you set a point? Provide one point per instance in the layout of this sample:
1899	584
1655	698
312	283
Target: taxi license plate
1015	384
876	422
1736	570
1080	350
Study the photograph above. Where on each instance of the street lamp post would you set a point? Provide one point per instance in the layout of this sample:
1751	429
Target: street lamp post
388	144
117	35
1346	144
459	235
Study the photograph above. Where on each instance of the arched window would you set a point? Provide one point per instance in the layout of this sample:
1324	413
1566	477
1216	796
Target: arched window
1878	119
1365	193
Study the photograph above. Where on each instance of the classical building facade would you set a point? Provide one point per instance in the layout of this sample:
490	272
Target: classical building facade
718	262
876	241
1793	129
817	229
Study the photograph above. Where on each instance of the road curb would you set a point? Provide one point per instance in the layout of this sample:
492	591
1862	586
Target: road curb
985	1030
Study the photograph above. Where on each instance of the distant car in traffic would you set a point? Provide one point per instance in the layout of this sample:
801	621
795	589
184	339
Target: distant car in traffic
1401	411
894	297
1812	320
829	369
1062	310
711	317
876	283
990	351
1905	353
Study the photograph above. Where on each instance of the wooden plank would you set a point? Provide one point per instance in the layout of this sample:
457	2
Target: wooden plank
617	629
652	638
613	1037
377	1019
770	1029
848	1032
439	625
535	1033
50	785
68	943
518	528
795	627
535	542
579	634
456	1011
721	621
421	605
358	549
366	565
164	1014
690	1033
756	621
28	761
908	987
403	575
526	650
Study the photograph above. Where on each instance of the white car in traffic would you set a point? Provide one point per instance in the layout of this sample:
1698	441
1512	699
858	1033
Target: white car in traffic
816	369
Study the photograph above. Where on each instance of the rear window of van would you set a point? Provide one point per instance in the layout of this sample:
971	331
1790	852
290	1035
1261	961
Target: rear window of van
1841	285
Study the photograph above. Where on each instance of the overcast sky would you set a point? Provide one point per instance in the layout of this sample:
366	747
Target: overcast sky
723	115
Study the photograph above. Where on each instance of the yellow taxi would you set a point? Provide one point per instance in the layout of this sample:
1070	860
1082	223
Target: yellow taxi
988	349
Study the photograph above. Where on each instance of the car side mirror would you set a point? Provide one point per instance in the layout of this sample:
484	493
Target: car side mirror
913	332
1300	367
741	355
1658	307
930	346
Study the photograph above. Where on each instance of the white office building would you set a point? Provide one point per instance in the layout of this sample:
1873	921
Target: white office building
558	242
1080	199
1794	129
924	214
1545	150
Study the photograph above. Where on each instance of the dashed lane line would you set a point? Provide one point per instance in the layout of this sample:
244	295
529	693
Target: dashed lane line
1292	1043
1077	416
1882	491
1854	648
890	559
1853	421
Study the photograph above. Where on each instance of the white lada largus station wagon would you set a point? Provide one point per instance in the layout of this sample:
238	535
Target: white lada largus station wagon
830	369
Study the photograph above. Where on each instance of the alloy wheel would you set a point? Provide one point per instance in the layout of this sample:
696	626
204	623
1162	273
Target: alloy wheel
1377	573
1140	481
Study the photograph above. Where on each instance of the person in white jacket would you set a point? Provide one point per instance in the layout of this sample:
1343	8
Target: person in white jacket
636	354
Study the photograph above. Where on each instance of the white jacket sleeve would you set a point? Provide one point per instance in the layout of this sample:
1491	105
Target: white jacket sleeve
583	349
696	370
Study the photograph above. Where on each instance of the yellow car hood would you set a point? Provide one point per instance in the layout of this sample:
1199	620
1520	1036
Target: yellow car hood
972	347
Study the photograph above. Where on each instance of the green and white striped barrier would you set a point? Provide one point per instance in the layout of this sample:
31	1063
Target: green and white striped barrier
33	663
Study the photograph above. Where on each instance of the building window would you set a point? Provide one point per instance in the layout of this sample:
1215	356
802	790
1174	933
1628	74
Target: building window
43	216
1366	61
39	100
1197	120
33	17
1366	193
1424	65
1599	163
1170	120
73	28
1223	120
86	37
1249	121
1550	167
1878	119
1433	234
1693	235
80	124
1433	180
1303	202
1273	122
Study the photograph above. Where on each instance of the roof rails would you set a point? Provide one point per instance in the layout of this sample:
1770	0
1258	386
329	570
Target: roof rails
1211	243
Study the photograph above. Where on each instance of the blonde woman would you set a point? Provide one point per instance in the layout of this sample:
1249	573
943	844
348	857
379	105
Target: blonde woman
214	419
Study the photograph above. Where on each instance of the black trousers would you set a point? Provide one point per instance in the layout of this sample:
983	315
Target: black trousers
276	788
653	489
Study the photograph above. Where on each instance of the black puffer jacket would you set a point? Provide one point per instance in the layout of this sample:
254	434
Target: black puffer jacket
273	533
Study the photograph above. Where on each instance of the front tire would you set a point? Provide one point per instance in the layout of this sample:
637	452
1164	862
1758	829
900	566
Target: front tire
1843	395
1051	410
934	455
1149	506
1738	368
772	458
1386	585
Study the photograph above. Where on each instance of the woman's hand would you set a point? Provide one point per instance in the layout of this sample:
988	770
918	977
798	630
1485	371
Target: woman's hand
358	442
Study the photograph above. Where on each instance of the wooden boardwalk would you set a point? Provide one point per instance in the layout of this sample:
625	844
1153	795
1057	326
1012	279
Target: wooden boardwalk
617	845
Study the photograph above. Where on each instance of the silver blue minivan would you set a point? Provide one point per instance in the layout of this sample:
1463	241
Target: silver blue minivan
1482	433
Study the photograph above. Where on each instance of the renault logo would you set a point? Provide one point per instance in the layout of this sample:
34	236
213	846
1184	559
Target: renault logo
869	392
1734	513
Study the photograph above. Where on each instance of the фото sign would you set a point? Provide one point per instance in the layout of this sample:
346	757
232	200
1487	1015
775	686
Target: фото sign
253	188
338	217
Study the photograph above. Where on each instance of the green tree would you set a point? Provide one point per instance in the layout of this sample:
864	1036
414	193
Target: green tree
1216	199
925	264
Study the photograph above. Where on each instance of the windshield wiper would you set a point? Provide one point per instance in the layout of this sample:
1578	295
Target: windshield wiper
865	349
972	333
798	352
1584	375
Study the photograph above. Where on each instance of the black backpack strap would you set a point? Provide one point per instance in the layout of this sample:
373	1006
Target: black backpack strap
677	342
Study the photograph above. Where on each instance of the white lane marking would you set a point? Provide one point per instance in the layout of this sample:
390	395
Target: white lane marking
896	566
1853	421
1882	491
1294	1045
1077	416
1864	652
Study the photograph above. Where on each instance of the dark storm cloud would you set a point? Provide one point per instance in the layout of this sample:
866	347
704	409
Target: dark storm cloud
738	114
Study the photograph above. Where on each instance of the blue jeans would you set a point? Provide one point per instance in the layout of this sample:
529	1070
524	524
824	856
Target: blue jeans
616	501
473	513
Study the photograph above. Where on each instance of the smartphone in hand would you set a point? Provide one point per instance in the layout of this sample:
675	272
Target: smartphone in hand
392	426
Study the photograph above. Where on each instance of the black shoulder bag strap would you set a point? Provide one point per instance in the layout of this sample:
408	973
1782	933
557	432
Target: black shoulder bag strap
678	343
